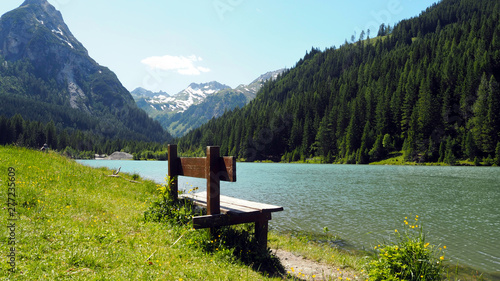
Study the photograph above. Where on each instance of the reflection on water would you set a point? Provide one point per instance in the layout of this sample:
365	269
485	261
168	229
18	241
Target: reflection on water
459	206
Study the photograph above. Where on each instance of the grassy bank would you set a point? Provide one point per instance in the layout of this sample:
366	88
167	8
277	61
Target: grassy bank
75	222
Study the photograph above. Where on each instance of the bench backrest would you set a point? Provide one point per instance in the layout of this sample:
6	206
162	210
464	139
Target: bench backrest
213	168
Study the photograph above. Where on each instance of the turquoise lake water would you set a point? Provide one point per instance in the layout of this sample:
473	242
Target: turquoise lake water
458	206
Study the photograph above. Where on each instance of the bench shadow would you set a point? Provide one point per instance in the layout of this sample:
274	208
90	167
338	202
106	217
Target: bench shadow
241	241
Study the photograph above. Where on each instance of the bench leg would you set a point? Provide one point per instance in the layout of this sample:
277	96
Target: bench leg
261	229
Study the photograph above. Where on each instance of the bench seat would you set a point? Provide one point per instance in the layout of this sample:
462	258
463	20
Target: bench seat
233	211
231	205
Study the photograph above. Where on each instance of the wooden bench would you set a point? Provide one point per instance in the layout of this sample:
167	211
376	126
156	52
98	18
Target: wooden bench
221	210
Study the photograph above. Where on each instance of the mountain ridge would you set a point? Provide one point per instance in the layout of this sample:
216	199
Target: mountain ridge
43	61
212	105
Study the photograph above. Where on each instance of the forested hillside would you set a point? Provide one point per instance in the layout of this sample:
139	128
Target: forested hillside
73	143
46	75
427	87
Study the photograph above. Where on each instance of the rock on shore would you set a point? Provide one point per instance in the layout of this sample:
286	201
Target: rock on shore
120	156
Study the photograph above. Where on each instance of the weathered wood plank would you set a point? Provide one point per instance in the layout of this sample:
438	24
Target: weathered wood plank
192	167
233	204
224	208
213	182
229	169
225	219
224	168
251	204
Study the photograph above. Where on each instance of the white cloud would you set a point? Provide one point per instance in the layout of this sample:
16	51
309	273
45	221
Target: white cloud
181	64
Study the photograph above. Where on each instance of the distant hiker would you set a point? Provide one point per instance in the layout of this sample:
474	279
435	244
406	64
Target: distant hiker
45	148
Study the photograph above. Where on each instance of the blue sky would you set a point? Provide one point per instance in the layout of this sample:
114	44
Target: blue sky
166	45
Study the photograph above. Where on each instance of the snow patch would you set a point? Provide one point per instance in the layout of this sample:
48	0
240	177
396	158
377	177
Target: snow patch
194	94
62	37
58	31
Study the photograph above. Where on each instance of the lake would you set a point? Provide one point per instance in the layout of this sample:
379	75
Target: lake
458	206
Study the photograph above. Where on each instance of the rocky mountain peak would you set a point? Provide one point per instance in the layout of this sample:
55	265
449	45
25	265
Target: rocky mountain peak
37	32
43	3
43	10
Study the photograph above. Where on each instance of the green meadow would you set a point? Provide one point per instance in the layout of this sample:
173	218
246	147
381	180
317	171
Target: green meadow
76	223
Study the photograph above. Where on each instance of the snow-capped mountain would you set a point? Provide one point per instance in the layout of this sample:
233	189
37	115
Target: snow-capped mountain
198	103
250	90
192	95
143	93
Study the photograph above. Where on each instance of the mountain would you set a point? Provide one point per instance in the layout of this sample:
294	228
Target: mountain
162	103
199	103
143	93
427	87
47	74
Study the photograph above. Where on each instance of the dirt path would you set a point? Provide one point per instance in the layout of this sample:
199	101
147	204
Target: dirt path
305	269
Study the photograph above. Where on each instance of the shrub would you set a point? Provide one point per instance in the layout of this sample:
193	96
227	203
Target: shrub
410	258
169	210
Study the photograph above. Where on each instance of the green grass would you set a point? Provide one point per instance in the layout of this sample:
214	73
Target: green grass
321	248
76	223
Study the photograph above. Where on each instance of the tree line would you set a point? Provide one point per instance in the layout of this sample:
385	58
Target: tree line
73	143
428	87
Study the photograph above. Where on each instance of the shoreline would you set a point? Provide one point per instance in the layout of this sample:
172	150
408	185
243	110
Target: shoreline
305	243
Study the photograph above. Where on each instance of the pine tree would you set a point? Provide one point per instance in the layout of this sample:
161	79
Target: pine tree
470	147
492	123
306	137
4	126
50	132
377	152
497	154
425	104
387	142
442	151
480	113
18	126
476	161
449	157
